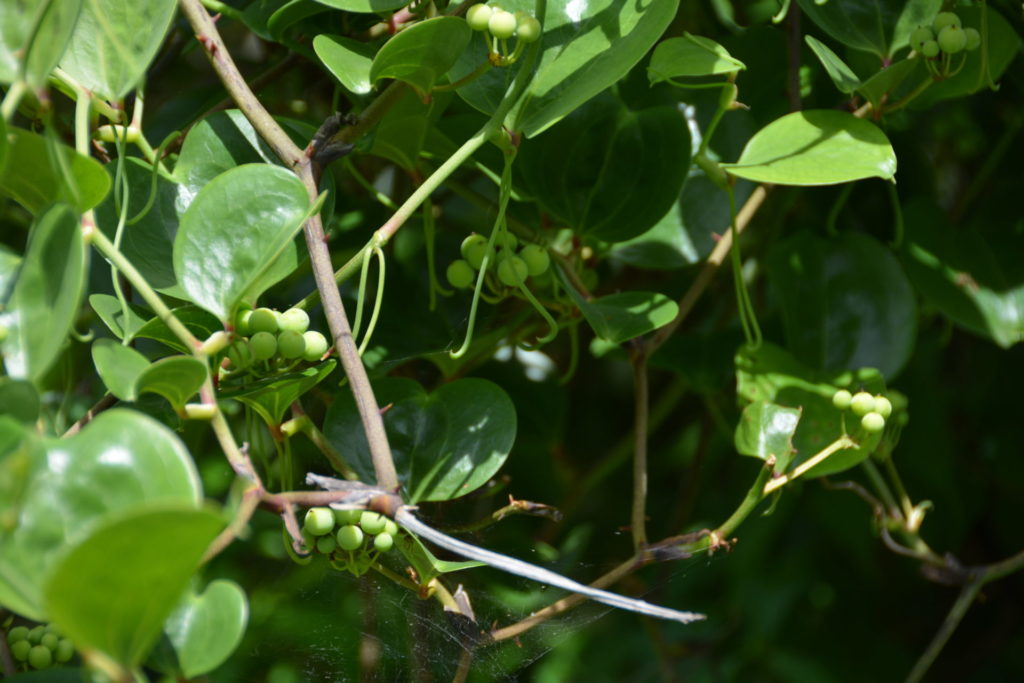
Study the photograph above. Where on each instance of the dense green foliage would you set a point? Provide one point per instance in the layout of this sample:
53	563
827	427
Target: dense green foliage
718	302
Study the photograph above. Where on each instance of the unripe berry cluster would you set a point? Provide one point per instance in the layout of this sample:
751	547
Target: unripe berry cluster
514	267
40	647
873	411
271	340
351	539
502	24
946	35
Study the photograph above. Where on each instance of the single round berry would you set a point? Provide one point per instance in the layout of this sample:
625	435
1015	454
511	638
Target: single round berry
240	355
316	345
536	258
350	537
952	39
921	36
20	650
40	657
65	650
862	403
326	545
502	24
883	406
872	422
477	17
291	344
36	634
973	39
930	49
318	521
372	522
390	528
528	28
242	324
474	248
842	399
460	274
262	345
294	319
17	633
944	19
507	240
383	542
49	640
512	271
345	517
263	320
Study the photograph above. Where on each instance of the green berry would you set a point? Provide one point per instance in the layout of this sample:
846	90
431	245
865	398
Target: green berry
17	633
294	319
240	355
460	274
49	640
390	528
477	17
507	240
65	650
20	650
36	634
883	406
242	324
952	39
344	517
372	522
316	345
862	403
536	258
473	250
262	345
383	542
291	344
350	537
872	422
52	628
944	19
512	271
40	657
930	49
326	545
921	36
842	399
527	29
263	320
973	39
502	24
319	521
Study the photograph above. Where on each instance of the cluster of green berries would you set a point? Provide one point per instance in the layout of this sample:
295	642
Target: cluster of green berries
273	338
40	647
873	411
351	539
532	260
502	24
946	35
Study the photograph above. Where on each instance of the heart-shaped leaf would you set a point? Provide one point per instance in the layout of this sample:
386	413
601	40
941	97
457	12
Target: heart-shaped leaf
33	38
445	444
177	379
41	171
63	488
119	367
349	60
689	56
271	397
46	295
878	26
423	53
112	591
816	147
205	629
766	431
233	232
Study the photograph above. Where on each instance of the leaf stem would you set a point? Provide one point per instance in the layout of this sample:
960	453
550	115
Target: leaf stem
842	443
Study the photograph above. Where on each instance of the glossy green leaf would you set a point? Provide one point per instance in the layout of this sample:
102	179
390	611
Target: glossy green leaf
64	488
348	60
878	26
608	171
690	55
114	42
40	172
272	397
842	75
846	302
205	629
199	322
47	294
217	144
585	48
109	309
772	374
19	399
816	147
232	233
766	430
33	36
423	53
365	6
888	79
423	561
973	282
445	444
119	367
290	14
177	379
620	317
112	591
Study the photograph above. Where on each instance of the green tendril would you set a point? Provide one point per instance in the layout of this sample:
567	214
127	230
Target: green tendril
748	319
378	300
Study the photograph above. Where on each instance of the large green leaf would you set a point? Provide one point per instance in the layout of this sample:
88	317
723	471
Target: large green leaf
609	171
114	42
422	54
41	171
33	36
349	60
620	317
47	294
205	629
271	397
846	302
112	591
445	444
816	147
878	26
199	322
233	232
62	489
216	144
585	48
765	430
689	56
118	366
177	379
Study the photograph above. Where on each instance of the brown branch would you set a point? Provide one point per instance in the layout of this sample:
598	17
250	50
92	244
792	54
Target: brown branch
107	401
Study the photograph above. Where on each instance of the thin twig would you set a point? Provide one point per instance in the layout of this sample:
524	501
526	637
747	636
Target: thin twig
108	400
641	400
